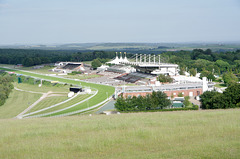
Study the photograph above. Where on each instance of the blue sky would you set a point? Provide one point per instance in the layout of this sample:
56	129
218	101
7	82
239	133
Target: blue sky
81	21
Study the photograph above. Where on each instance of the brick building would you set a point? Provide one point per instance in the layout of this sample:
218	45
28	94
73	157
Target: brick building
187	89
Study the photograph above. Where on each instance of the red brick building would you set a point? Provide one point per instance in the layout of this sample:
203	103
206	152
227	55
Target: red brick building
189	89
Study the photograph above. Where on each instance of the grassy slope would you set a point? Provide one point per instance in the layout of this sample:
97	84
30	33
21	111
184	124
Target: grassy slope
75	100
192	134
49	101
17	102
102	89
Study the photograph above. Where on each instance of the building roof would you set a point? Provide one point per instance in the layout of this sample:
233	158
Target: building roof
167	87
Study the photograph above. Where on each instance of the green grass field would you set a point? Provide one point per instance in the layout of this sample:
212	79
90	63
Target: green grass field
69	103
220	85
190	134
17	102
44	70
82	76
43	89
103	90
49	101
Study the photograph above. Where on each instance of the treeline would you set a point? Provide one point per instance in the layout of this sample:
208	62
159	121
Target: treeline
154	101
205	61
198	60
230	98
6	87
29	57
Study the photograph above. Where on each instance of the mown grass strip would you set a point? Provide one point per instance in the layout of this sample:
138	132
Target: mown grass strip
64	105
48	102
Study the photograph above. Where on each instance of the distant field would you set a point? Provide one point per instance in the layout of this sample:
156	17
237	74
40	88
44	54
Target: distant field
123	47
190	134
17	102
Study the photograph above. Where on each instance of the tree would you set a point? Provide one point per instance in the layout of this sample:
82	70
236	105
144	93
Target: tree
96	63
180	94
230	98
28	62
229	78
204	73
222	65
37	61
211	77
193	72
182	70
154	101
207	99
186	101
207	74
232	95
208	52
6	87
164	78
120	104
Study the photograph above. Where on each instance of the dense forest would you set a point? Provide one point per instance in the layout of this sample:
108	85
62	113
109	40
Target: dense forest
29	57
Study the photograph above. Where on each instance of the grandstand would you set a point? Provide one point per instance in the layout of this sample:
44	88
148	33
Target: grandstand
71	66
68	67
146	63
134	77
121	69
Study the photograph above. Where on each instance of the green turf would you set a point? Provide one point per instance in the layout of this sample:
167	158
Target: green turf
43	89
44	70
103	90
49	101
220	85
64	105
17	102
82	76
190	134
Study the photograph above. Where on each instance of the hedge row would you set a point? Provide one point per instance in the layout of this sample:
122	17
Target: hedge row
195	107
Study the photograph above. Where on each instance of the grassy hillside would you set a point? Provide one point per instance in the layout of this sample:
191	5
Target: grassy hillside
17	102
192	134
